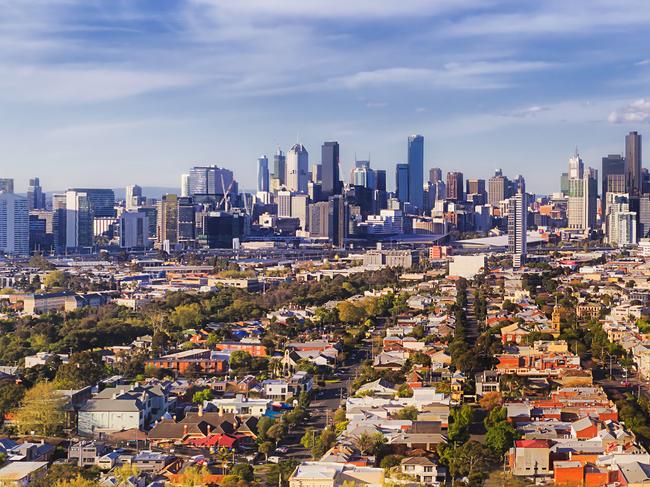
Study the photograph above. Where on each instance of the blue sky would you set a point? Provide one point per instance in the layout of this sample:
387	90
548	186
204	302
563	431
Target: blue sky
115	92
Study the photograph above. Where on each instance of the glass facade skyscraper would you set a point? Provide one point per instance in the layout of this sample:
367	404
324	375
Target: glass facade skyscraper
416	171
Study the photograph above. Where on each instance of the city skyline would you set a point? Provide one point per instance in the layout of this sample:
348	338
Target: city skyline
112	94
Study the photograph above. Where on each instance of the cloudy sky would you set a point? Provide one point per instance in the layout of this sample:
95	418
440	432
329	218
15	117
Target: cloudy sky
115	92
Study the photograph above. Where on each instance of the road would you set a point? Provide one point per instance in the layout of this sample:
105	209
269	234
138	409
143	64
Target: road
326	401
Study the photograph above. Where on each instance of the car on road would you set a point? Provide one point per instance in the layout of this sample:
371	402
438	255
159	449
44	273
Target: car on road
274	459
282	449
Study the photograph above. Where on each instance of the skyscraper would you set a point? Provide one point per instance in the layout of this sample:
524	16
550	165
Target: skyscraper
185	185
168	220
6	185
476	187
330	177
280	167
621	222
381	179
363	175
612	175
402	182
576	166
583	193
633	163
498	188
102	201
263	174
416	171
35	195
133	230
133	196
517	227
14	224
78	219
435	175
455	186
338	220
297	168
186	220
211	181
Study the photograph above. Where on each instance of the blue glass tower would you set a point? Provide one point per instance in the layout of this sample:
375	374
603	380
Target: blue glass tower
416	171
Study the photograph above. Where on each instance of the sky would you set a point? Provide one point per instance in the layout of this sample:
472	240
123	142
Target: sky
116	92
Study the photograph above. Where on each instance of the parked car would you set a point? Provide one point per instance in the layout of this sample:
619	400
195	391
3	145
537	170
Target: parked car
274	459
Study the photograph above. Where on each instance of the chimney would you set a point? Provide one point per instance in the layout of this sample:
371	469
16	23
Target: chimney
184	429
200	410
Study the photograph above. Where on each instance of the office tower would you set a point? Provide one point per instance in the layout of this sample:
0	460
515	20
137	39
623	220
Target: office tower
402	182
40	231
415	160
380	175
337	221
102	201
363	175
133	196
455	186
78	219
564	183
583	193
435	175
283	200
483	218
59	226
319	219
643	217
167	230
280	167
297	165
316	173
134	230
6	185
185	185
300	210
330	178
476	187
613	178
633	163
517	227
263	174
498	188
315	191
14	224
211	181
576	166
621	222
186	220
35	195
220	229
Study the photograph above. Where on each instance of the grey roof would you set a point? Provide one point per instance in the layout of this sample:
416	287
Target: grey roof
113	405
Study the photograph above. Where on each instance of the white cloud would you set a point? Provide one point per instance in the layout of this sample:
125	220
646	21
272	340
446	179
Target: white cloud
636	112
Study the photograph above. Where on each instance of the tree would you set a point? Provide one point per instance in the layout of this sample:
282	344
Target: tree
62	473
324	442
54	279
187	315
263	426
491	400
10	396
500	437
78	481
404	390
244	471
276	432
390	461
84	369
240	360
408	412
203	395
351	313
266	448
41	410
369	443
